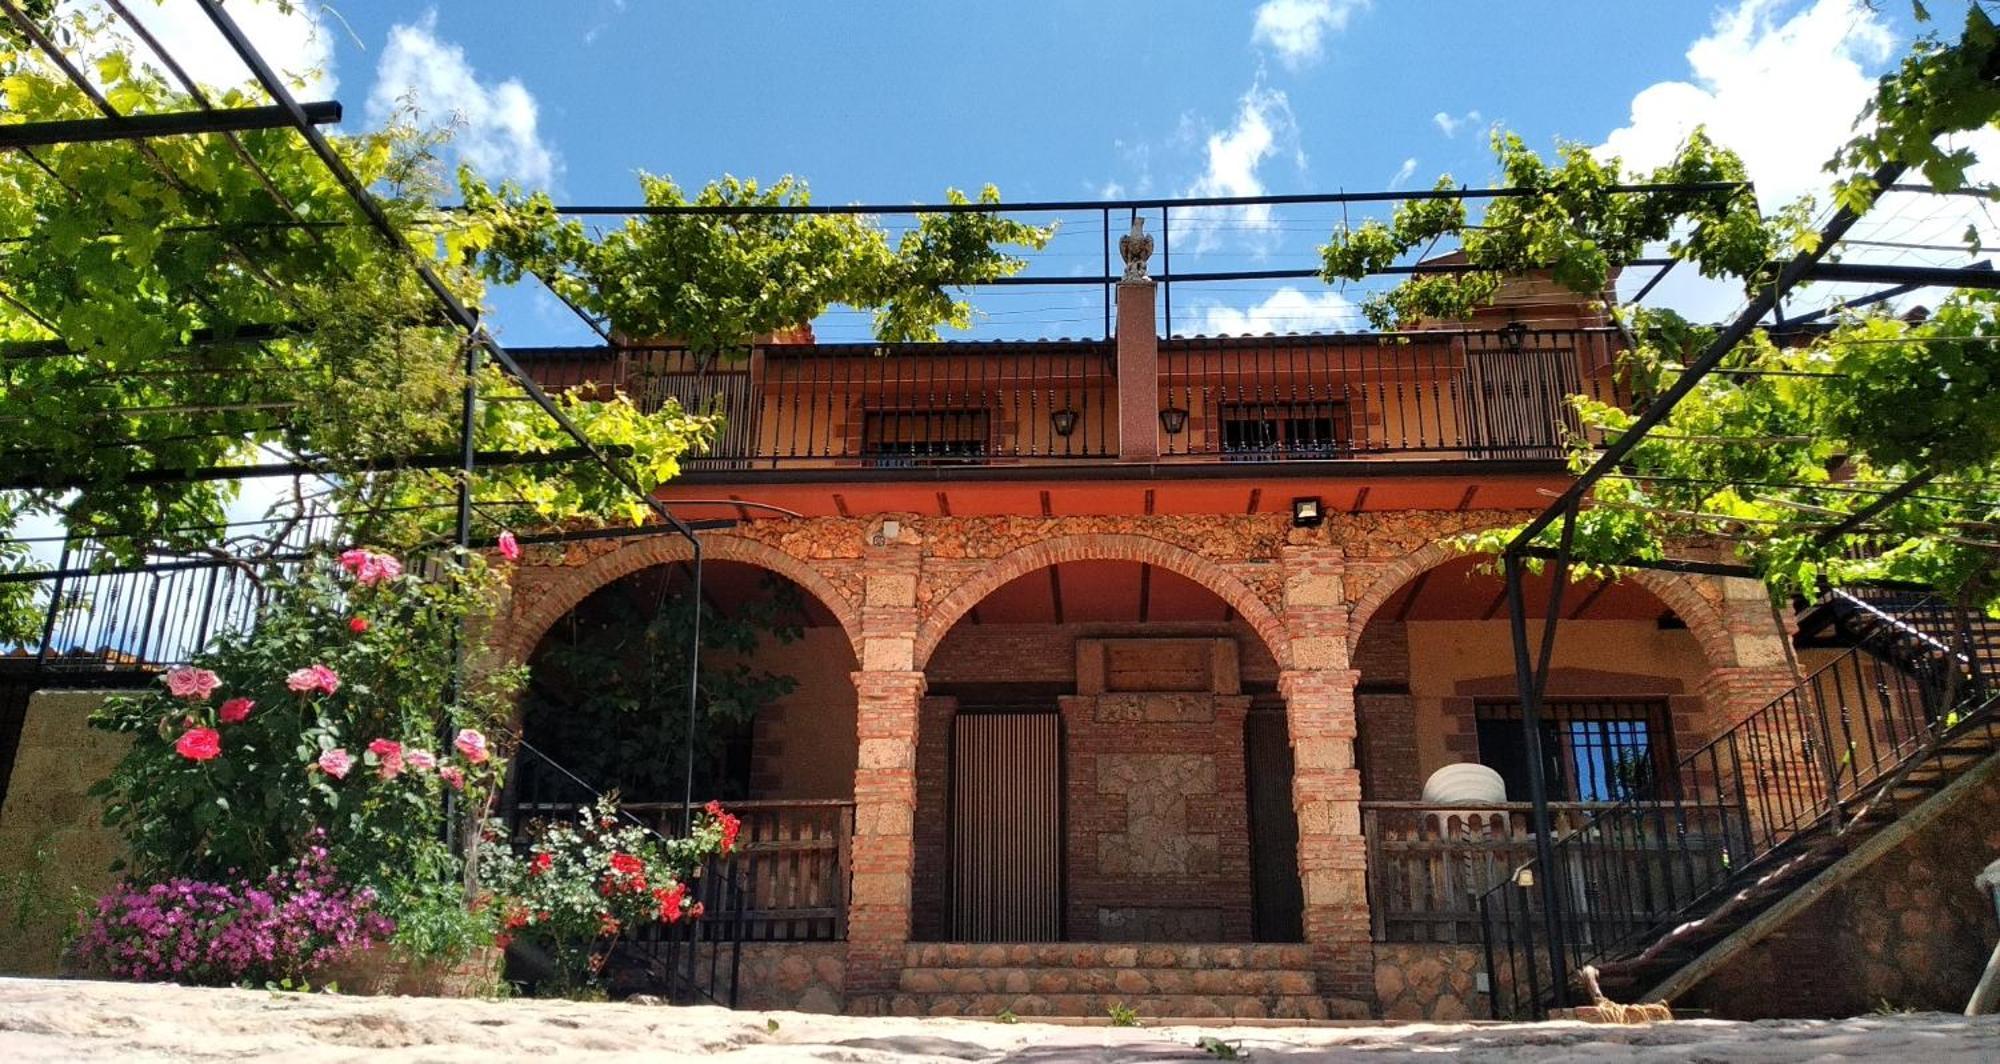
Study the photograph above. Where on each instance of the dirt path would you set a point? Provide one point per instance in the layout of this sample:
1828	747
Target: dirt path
49	1020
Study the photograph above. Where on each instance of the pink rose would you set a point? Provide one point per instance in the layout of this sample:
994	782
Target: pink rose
471	744
336	762
199	744
370	568
389	757
420	760
453	775
236	710
314	677
510	549
192	683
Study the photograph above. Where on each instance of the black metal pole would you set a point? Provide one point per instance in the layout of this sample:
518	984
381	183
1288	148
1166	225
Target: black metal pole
1106	214
694	694
1538	792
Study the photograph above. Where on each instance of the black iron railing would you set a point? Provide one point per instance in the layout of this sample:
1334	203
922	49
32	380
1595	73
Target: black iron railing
102	612
1918	671
1436	394
1420	394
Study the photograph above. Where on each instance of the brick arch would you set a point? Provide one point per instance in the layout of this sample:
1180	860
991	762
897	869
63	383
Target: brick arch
1704	619
944	613
523	630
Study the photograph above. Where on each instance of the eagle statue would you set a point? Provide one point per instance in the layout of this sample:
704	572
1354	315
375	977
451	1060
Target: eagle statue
1136	247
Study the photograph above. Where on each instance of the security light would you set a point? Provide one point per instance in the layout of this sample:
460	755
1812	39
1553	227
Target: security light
1307	512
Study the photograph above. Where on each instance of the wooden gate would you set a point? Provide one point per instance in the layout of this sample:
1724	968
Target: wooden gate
1006	827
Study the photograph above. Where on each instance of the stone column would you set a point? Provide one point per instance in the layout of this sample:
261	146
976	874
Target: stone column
885	805
1318	688
889	692
1333	857
1138	373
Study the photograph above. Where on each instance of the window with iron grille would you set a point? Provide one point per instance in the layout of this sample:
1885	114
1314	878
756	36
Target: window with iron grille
1256	432
1594	750
895	438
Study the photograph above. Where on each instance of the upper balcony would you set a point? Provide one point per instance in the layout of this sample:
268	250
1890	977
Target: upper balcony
1434	401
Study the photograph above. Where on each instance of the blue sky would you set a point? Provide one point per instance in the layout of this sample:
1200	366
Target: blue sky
893	102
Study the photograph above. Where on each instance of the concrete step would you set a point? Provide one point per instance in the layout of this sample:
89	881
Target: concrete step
1128	981
1195	956
1149	1007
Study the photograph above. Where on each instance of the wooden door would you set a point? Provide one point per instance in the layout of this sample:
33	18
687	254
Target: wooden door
1006	827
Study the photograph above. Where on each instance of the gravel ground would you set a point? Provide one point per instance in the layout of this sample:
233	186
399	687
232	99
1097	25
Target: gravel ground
57	1020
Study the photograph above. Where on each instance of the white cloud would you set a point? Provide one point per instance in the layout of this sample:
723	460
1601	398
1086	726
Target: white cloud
297	43
1296	30
1263	123
1783	92
1403	173
1450	126
495	130
1283	311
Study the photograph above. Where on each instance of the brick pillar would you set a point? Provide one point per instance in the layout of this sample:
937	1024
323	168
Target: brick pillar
885	807
1333	857
1138	373
889	693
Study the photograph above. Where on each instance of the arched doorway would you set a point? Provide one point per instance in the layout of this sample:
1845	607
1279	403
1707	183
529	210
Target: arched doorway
1102	757
1436	686
607	694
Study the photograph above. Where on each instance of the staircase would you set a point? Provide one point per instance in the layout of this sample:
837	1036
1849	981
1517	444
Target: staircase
1156	980
1753	826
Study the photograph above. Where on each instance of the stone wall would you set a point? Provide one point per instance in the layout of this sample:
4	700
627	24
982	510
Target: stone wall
1158	816
798	976
1430	982
1908	932
55	852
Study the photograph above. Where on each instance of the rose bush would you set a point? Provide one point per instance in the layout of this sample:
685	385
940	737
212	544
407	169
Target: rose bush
574	888
311	730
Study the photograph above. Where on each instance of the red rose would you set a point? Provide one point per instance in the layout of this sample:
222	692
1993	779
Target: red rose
358	625
540	864
199	744
236	710
627	864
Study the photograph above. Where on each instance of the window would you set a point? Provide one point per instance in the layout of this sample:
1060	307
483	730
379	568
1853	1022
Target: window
1259	432
1596	750
903	438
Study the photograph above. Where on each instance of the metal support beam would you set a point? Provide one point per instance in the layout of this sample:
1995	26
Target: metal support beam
313	468
1979	275
1718	349
169	124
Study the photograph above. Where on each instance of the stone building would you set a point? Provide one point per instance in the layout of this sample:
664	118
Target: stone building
1127	660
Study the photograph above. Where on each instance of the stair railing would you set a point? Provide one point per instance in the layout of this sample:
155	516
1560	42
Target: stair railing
1625	877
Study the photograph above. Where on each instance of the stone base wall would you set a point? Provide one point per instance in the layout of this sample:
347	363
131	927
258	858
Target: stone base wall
55	852
1908	932
798	976
1430	982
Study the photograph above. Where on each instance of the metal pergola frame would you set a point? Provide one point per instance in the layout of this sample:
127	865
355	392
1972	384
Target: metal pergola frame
1532	664
1532	659
286	112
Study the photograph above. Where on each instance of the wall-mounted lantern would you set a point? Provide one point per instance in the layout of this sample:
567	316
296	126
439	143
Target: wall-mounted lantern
1174	420
1063	421
1513	335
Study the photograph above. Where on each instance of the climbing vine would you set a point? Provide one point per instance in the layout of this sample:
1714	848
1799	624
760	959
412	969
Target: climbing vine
742	269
